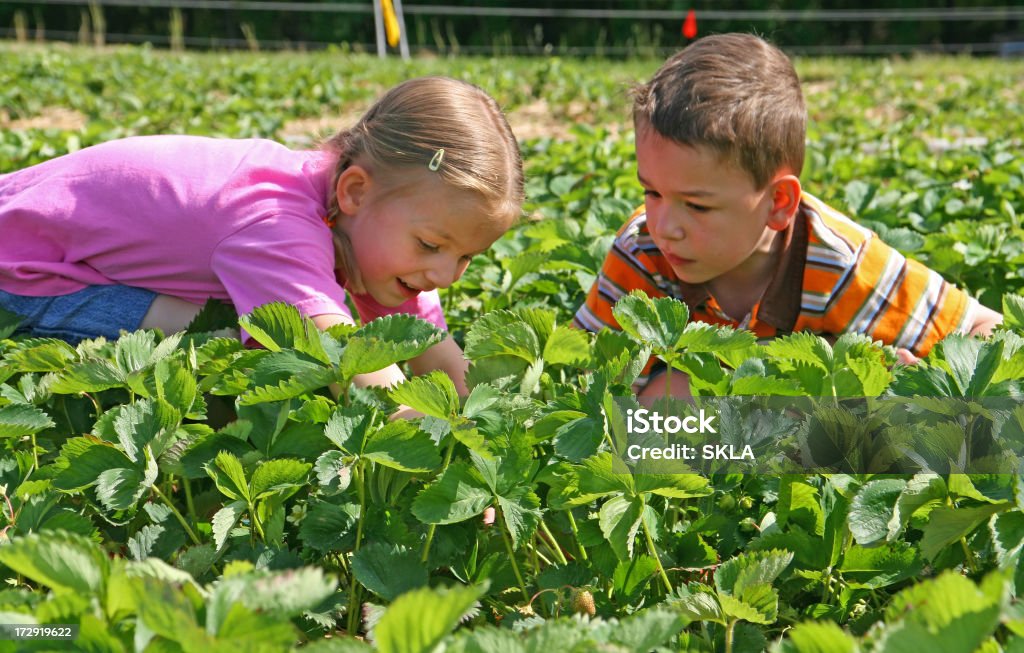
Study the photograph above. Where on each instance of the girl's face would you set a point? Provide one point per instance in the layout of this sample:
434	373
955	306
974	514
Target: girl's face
415	239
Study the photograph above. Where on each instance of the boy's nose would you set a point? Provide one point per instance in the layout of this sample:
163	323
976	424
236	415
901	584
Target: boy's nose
666	226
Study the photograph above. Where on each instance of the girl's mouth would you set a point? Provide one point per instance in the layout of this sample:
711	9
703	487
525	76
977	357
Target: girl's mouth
406	289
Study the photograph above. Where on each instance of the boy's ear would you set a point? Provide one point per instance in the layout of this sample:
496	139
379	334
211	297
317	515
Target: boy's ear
785	191
352	188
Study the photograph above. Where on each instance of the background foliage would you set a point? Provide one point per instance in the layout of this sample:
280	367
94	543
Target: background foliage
183	493
473	32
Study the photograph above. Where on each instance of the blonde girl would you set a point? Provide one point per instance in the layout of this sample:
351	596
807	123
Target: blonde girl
139	232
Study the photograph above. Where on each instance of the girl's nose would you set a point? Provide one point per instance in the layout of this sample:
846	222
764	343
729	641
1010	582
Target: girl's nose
445	273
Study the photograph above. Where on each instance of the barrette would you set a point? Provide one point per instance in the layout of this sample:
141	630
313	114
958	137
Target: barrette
435	162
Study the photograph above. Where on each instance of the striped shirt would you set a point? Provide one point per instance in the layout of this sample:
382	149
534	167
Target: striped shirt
849	281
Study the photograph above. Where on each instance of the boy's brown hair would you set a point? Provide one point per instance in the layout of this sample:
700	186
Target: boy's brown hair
733	93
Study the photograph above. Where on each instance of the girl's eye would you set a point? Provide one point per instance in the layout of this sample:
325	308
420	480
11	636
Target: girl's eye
697	208
427	246
651	194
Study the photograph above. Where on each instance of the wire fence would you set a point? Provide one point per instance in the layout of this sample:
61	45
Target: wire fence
1005	44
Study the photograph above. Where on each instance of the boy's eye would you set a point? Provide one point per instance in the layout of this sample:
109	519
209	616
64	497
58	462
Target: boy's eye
698	208
427	246
651	194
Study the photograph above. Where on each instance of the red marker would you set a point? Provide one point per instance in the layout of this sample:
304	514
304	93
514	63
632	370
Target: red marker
690	24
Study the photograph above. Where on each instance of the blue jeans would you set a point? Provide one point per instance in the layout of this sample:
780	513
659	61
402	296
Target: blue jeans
89	313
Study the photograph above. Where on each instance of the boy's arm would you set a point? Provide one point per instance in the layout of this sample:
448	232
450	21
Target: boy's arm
985	321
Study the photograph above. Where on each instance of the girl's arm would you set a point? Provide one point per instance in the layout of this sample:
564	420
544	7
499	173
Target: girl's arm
445	356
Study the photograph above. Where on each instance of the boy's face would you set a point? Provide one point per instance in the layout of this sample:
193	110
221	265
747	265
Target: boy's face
705	215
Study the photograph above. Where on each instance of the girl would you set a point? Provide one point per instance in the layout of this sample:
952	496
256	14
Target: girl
139	232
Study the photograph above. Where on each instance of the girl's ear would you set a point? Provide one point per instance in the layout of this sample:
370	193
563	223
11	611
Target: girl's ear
352	188
785	192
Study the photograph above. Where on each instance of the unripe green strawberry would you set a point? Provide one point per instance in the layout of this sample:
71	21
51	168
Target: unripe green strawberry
583	602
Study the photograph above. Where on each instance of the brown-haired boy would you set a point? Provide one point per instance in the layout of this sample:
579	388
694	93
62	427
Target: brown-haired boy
727	228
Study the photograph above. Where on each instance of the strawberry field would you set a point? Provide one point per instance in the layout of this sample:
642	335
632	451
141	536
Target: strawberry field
179	492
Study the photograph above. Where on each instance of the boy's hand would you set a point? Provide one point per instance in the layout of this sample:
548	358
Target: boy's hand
905	357
404	412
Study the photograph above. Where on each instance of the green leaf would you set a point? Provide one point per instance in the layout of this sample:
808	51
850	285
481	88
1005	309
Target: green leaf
632	576
873	508
175	385
63	562
17	420
619	519
278	326
333	471
659	322
87	376
284	375
520	510
746	570
881	566
757	604
388	570
961	621
386	341
457	495
697	603
275	595
224	520
433	394
166	611
400	445
418	620
802	347
9	323
274	476
139	424
347	428
83	459
328	527
42	355
229	477
947	525
502	333
1013	311
121	489
817	637
700	337
566	346
648	629
920	490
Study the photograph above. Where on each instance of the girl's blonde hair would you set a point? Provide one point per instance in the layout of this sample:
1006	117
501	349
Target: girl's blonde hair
405	129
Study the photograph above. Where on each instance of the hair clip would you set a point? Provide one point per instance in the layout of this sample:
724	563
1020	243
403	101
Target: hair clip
435	162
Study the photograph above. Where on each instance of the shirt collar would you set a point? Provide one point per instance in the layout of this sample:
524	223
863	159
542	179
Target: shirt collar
780	305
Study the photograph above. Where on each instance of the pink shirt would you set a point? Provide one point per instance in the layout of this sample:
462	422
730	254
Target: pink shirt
191	217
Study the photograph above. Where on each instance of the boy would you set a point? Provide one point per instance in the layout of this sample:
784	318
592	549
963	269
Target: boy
727	229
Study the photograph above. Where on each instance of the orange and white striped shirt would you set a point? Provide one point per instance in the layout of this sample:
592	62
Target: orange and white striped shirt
834	277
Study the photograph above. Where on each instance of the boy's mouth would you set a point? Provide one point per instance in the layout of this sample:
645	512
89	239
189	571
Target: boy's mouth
676	260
